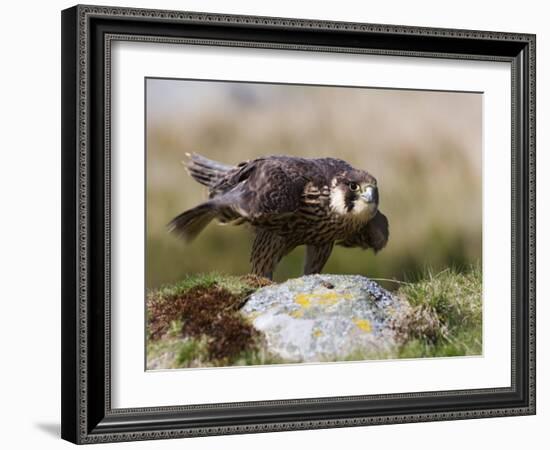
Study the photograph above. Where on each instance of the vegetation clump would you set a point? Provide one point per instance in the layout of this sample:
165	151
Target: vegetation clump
444	317
198	323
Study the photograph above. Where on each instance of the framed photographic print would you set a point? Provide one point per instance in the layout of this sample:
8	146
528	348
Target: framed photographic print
282	224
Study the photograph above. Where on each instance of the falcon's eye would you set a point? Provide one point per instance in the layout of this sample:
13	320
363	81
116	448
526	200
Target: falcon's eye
354	187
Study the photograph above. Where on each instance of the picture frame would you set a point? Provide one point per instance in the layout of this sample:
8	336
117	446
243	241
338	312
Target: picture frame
88	415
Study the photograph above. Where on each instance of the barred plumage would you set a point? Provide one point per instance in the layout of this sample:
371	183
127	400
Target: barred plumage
288	201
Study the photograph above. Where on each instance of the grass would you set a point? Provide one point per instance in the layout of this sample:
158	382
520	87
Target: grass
445	315
196	322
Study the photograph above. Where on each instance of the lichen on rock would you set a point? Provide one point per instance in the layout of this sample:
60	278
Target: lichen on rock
325	318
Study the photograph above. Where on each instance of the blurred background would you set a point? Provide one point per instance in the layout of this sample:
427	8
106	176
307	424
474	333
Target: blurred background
424	148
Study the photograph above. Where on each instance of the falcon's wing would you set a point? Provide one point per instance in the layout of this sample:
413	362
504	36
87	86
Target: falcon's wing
262	188
373	235
256	191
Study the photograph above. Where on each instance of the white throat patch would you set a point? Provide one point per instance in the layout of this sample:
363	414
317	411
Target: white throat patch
338	200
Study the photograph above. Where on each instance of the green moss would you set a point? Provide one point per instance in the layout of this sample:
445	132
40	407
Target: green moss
189	350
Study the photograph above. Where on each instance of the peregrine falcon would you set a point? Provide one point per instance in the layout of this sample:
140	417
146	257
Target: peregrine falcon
288	201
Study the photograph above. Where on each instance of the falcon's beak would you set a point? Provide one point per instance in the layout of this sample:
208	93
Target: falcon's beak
370	194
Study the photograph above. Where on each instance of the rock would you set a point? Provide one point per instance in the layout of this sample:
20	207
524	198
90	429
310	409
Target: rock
325	318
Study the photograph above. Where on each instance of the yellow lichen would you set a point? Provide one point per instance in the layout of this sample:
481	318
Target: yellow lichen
331	298
317	333
320	298
298	314
304	300
363	324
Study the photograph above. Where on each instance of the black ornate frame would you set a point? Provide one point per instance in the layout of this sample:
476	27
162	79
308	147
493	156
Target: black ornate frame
87	33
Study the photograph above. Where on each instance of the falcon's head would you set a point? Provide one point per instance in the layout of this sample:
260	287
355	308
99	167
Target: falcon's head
354	194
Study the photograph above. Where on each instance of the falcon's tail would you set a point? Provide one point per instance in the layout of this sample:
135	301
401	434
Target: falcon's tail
191	222
204	170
